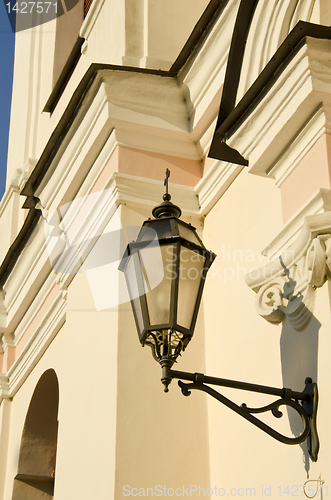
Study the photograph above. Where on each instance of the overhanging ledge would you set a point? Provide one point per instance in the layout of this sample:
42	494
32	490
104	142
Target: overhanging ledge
224	145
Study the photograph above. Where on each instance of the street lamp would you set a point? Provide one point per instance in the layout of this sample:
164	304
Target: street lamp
165	300
165	271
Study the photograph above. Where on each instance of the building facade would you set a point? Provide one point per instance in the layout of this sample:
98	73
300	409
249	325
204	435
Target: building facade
234	99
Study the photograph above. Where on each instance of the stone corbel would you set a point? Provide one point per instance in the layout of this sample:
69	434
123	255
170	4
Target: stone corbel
285	287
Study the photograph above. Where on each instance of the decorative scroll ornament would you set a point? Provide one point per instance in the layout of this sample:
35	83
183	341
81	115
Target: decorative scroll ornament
286	287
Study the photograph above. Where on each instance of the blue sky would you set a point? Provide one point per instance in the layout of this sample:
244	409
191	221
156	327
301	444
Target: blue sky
7	42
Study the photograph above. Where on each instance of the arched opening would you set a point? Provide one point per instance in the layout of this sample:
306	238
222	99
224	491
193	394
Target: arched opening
37	456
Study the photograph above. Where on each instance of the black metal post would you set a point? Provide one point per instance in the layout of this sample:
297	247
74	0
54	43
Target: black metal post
234	384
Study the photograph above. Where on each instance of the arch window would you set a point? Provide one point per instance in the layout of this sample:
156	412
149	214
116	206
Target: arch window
37	456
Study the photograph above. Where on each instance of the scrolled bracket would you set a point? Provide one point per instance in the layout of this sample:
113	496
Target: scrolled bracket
286	286
307	411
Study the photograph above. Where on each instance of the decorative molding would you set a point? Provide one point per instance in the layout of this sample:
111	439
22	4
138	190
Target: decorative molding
79	149
3	310
90	18
116	112
122	189
266	31
154	120
302	143
210	61
174	116
34	350
214	184
37	312
286	287
3	343
17	182
141	192
318	203
11	217
32	267
294	110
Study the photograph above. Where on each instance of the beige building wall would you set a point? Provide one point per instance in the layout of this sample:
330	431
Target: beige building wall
96	163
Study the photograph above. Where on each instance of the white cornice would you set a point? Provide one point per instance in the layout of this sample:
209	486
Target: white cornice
319	202
291	116
169	115
203	74
24	282
90	18
10	382
16	184
141	192
10	204
305	139
267	32
214	184
149	112
146	111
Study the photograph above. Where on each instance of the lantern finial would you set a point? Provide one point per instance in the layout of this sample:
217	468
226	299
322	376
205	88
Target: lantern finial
166	184
167	208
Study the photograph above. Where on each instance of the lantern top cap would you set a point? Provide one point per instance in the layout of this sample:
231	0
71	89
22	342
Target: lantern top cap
167	208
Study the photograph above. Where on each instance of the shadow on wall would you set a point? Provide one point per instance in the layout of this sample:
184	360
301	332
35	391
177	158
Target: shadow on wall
299	355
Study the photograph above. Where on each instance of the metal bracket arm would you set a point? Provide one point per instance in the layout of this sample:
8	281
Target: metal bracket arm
307	408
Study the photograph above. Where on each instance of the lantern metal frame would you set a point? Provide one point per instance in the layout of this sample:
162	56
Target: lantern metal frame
305	403
167	340
178	241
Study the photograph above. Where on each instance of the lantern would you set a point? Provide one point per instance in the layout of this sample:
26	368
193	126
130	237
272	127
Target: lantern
165	271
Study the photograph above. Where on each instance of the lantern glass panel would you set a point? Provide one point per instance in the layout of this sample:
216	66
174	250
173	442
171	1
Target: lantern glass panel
191	267
158	292
135	290
188	233
160	229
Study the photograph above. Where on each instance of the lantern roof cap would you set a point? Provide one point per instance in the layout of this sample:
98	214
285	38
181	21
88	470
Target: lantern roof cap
166	209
